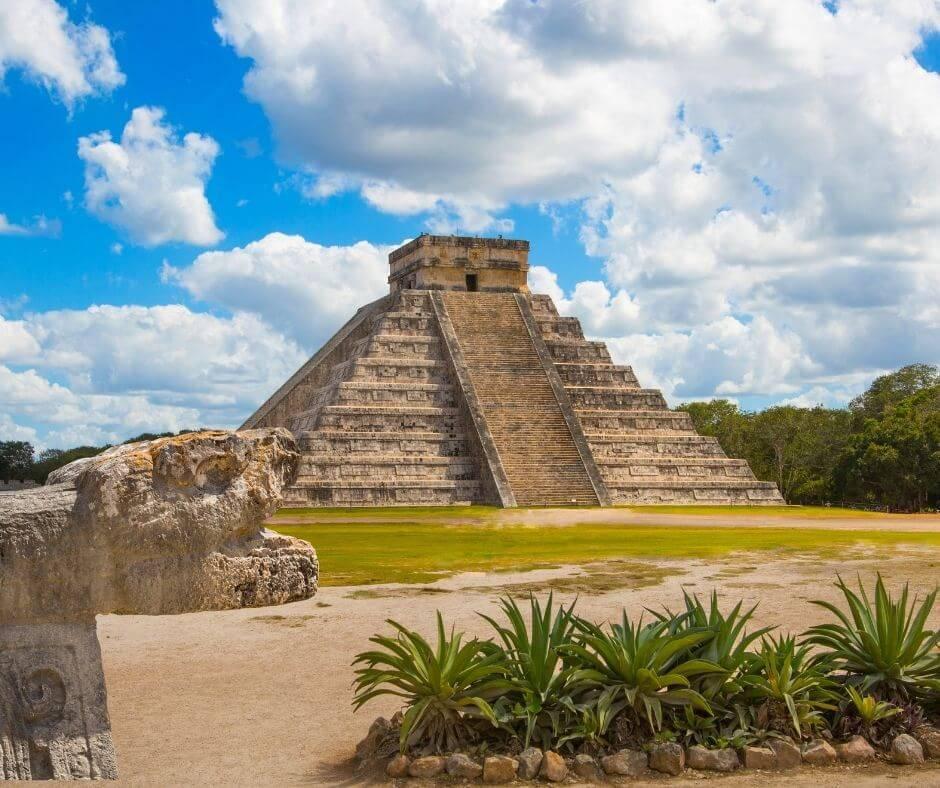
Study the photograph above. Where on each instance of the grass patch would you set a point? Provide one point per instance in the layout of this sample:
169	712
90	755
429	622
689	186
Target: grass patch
595	579
367	553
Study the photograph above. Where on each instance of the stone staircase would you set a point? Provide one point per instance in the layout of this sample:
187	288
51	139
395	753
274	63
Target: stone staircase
384	428
646	453
532	438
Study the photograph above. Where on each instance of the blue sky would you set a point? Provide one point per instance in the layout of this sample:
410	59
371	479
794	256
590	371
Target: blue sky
768	238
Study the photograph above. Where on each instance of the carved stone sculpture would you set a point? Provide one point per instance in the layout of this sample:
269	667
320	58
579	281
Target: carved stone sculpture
172	525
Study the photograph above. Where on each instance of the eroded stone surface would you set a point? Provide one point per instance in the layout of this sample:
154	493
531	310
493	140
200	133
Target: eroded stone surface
855	750
553	768
586	767
398	766
906	750
819	753
630	763
165	526
667	757
724	760
461	765
929	739
499	769
789	755
530	759
427	766
759	758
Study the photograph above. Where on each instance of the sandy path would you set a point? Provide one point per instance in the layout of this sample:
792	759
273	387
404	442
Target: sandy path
262	696
563	517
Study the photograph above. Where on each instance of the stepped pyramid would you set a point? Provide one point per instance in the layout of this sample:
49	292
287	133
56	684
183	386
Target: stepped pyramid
461	387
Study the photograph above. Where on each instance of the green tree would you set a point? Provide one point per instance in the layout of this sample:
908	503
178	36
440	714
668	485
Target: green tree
16	459
894	461
889	390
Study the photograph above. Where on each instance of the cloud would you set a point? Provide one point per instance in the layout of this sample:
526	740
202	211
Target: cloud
104	373
41	226
303	289
747	171
70	60
151	184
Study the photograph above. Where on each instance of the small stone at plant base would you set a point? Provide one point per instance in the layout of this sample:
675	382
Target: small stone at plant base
460	765
906	750
818	753
530	759
789	755
427	766
855	750
631	763
366	749
585	766
723	760
759	758
398	766
667	757
499	769
553	767
929	739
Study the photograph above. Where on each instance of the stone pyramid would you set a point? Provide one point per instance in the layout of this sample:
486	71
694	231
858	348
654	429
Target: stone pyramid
461	387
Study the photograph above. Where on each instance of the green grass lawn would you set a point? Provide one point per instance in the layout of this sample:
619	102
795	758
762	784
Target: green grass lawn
362	553
492	513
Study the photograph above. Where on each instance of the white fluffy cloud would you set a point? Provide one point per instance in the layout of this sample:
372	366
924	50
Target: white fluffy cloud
107	372
305	290
748	170
71	60
39	226
151	184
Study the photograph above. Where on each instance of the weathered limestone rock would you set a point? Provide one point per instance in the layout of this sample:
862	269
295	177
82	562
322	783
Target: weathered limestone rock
667	757
855	750
759	758
461	765
723	760
585	766
166	526
819	753
789	755
553	768
929	739
499	769
427	766
906	750
631	763
398	766
530	759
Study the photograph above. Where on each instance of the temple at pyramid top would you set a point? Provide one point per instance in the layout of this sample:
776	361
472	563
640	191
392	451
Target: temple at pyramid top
457	262
460	386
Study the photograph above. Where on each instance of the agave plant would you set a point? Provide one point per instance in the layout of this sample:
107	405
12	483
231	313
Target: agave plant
536	679
594	719
643	662
446	688
885	647
790	687
728	645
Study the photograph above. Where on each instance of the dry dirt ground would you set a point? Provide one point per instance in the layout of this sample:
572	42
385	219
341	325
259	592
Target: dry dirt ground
262	696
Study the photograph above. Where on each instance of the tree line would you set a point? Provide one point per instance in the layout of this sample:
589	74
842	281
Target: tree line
20	462
882	451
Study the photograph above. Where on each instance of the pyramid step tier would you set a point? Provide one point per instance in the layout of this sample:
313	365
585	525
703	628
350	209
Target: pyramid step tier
580	373
707	492
398	492
391	468
616	398
686	468
405	443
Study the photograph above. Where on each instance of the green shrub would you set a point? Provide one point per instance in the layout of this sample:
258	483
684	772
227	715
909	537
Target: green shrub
644	663
447	689
884	648
727	645
535	694
787	688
